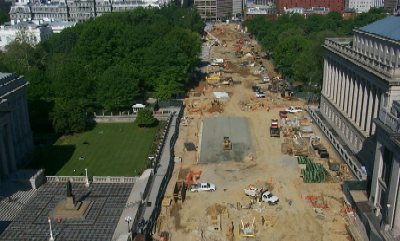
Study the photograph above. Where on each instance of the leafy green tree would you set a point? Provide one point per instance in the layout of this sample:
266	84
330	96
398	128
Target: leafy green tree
145	118
68	117
3	17
116	88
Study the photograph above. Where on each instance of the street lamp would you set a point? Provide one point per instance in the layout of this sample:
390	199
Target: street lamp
87	179
51	232
128	219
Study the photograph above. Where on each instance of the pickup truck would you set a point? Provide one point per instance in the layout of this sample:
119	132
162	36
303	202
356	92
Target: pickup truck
269	198
292	109
205	186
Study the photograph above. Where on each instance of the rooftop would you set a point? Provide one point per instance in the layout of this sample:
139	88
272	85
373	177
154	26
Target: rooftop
99	223
4	75
388	27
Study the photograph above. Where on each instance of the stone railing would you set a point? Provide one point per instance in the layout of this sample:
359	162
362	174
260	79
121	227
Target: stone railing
126	116
389	120
97	179
72	179
376	65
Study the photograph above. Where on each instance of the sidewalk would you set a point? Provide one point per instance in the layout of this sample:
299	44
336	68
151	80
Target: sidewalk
131	207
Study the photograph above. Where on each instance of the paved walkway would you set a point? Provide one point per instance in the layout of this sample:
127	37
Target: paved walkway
132	206
156	186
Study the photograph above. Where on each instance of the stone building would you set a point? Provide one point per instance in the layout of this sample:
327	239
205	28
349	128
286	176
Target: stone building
361	76
362	6
74	10
385	193
15	133
391	5
332	5
218	9
28	31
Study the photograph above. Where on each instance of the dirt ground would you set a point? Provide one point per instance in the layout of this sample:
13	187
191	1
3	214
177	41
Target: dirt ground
294	218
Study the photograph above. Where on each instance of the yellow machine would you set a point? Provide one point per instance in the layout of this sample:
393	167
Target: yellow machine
213	80
227	143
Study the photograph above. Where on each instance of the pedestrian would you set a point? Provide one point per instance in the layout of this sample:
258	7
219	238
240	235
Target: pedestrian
262	220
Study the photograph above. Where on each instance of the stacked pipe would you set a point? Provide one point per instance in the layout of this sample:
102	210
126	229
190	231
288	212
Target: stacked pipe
314	172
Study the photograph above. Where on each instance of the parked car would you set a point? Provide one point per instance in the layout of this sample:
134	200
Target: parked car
269	198
292	109
205	186
274	123
266	79
260	95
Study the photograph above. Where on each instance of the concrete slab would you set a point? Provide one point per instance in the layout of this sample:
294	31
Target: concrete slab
212	136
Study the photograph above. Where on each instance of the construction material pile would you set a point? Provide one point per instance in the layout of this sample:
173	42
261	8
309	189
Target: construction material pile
314	172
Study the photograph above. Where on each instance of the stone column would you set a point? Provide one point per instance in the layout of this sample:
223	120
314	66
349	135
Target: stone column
376	108
346	93
341	89
334	89
393	196
376	174
331	80
359	102
337	89
364	109
325	78
370	109
351	95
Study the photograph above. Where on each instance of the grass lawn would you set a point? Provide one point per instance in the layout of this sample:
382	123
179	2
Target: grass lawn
118	149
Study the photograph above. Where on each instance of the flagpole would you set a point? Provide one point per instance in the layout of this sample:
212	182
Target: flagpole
51	232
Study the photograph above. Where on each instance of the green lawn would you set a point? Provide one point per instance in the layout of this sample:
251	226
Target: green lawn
108	150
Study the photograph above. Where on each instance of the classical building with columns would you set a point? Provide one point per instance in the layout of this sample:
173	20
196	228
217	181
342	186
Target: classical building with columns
15	134
361	76
385	193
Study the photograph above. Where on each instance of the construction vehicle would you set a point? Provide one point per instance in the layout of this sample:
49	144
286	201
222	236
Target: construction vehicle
274	130
205	186
247	228
227	144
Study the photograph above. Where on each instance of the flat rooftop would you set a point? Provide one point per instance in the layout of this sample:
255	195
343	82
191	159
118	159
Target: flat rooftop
99	223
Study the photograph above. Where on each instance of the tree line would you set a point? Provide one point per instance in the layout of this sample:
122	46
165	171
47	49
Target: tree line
295	42
106	63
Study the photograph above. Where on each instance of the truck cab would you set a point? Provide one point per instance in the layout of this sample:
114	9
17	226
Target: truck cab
205	186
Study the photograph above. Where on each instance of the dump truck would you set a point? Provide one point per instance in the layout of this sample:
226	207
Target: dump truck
274	130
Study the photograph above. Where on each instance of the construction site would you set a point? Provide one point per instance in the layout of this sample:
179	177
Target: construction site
266	171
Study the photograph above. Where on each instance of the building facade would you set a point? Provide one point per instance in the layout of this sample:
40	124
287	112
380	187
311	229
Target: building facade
385	193
391	6
73	10
332	5
362	6
361	76
28	31
218	9
15	134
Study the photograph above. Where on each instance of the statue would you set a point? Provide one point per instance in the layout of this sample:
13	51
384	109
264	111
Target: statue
69	189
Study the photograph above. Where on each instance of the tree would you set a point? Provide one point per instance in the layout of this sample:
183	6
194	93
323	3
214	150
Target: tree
117	88
3	17
145	118
68	117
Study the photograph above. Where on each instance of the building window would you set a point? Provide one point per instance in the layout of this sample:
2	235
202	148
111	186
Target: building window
387	165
